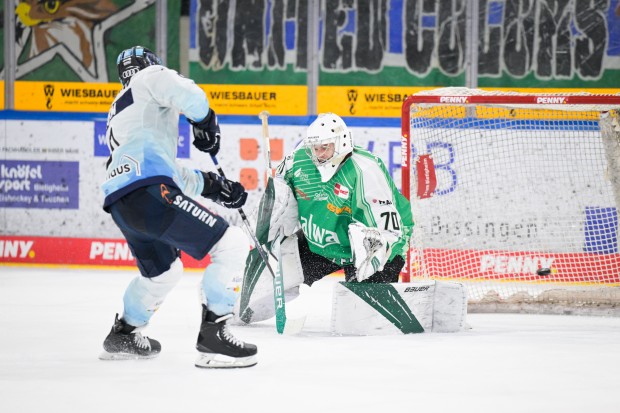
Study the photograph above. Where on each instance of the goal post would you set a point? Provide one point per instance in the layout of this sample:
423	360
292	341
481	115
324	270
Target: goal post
515	195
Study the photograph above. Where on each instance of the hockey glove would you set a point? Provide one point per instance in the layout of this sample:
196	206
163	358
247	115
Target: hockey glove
229	194
370	250
207	134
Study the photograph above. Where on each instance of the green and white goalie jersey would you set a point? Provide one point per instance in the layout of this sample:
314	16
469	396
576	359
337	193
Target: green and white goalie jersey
361	191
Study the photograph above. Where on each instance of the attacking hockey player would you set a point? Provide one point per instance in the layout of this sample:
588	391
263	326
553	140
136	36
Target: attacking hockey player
153	201
334	206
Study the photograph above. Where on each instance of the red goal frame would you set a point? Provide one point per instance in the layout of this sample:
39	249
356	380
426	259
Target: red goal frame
540	100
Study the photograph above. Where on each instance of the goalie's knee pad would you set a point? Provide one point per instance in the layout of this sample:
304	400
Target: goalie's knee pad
221	282
261	299
144	295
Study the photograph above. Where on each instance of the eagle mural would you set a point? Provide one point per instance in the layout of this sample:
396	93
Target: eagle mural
73	29
66	22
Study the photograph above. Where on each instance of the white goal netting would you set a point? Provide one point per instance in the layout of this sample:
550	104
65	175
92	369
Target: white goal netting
515	195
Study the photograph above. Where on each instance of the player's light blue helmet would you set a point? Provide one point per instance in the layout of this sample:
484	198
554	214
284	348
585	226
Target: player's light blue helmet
131	61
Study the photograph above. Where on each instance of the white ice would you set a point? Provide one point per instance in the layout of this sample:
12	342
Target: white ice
53	321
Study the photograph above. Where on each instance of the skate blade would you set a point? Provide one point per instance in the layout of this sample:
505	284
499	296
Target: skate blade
124	356
220	361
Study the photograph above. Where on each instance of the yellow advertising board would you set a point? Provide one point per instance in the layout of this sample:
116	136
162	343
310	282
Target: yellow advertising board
97	97
252	99
1	94
364	101
65	96
387	101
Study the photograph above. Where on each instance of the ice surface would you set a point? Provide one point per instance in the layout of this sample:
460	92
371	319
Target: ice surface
53	321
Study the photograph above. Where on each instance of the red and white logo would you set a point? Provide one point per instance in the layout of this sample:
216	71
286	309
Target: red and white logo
453	99
551	99
16	248
110	251
341	191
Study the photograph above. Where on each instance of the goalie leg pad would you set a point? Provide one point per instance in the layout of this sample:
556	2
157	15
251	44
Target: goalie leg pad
144	295
398	308
261	305
292	270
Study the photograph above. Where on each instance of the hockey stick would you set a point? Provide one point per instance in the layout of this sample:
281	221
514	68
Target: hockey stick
263	116
293	327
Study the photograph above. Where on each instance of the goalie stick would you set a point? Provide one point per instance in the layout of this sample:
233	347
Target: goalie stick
283	326
291	326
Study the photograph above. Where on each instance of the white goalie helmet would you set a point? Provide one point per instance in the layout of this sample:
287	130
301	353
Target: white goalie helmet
328	129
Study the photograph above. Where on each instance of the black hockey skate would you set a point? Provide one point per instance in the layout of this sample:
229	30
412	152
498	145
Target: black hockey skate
126	343
218	347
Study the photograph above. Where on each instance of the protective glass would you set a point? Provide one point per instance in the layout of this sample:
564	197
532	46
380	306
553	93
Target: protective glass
321	151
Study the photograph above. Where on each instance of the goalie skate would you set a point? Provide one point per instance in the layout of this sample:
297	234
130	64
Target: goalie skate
126	343
218	348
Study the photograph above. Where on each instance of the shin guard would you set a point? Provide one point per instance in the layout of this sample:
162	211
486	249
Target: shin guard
144	295
221	282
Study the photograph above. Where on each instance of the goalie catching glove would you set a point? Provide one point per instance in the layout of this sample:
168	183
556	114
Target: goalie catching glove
371	249
207	134
225	192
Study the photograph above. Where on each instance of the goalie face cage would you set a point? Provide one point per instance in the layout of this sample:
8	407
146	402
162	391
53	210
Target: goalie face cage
515	195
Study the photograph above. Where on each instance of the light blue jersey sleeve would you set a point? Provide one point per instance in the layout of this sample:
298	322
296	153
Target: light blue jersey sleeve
175	91
142	133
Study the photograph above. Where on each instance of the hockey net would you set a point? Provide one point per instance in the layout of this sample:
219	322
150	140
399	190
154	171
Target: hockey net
515	195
